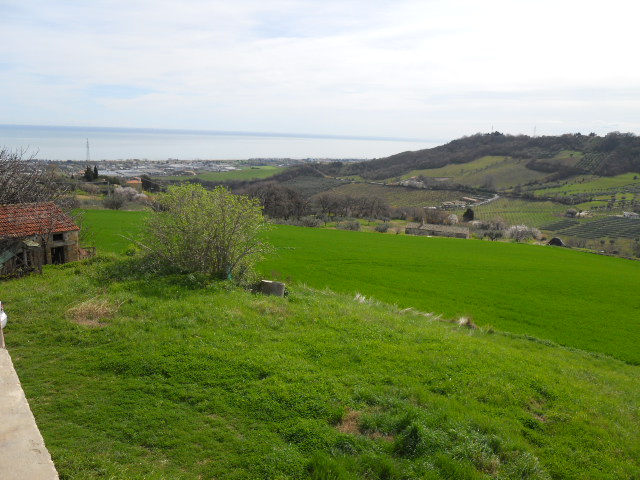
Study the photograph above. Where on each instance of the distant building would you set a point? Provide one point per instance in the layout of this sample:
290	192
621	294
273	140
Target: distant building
135	183
433	230
633	215
35	234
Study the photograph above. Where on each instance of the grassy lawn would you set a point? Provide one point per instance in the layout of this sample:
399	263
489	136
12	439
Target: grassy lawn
132	376
110	230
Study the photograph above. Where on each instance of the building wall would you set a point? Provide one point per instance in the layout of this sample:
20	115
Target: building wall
69	243
435	233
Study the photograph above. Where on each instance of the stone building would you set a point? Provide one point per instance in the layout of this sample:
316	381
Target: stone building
436	230
35	234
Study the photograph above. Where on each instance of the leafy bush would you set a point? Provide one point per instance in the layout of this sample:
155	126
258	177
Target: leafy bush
213	232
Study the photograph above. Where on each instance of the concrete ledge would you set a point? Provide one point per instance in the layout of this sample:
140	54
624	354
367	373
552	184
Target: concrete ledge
23	455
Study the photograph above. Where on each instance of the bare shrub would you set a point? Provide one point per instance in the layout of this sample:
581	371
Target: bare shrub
90	188
352	225
382	227
437	217
128	193
522	233
114	202
451	219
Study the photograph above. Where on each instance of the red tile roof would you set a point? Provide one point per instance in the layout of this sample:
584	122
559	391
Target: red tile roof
25	219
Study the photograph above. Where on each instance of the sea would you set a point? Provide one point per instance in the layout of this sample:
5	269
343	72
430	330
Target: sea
61	143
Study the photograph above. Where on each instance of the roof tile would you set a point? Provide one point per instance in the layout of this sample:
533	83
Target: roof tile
24	219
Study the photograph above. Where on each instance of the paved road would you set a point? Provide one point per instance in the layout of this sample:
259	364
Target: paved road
23	455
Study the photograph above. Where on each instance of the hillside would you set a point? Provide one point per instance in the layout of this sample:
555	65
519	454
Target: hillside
131	377
560	155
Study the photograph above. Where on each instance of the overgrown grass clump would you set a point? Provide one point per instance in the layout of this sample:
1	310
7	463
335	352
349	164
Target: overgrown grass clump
179	377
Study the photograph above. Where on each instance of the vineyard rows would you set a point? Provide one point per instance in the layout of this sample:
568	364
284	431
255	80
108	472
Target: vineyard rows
612	227
561	225
590	162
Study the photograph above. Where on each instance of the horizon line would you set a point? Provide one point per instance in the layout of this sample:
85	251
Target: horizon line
237	133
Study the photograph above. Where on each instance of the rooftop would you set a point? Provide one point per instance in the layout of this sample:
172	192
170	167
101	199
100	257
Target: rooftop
25	219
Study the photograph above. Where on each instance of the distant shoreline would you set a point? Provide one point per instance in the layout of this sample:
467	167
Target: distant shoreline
234	133
60	143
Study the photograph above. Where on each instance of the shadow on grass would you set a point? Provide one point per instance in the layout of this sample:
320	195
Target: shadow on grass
146	277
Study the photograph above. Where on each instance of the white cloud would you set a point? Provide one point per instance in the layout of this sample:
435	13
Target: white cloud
388	68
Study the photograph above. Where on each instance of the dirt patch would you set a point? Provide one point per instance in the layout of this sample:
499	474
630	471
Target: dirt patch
349	423
93	312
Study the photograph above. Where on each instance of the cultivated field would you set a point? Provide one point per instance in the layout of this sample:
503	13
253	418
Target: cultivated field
401	196
573	298
500	172
576	299
520	212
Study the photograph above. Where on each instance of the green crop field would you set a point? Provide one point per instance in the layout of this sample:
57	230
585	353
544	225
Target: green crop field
573	298
110	230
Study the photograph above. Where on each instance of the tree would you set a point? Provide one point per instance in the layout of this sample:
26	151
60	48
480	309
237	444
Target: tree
468	215
95	172
278	201
23	180
213	232
88	174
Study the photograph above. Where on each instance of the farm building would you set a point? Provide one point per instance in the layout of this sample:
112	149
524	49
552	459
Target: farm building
135	183
436	230
35	234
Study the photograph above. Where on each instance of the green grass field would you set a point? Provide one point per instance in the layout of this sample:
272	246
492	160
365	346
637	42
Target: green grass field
573	298
110	230
501	172
133	376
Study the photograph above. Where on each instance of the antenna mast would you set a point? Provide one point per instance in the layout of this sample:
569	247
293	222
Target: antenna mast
88	156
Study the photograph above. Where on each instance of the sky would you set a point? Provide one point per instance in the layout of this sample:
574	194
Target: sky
427	69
